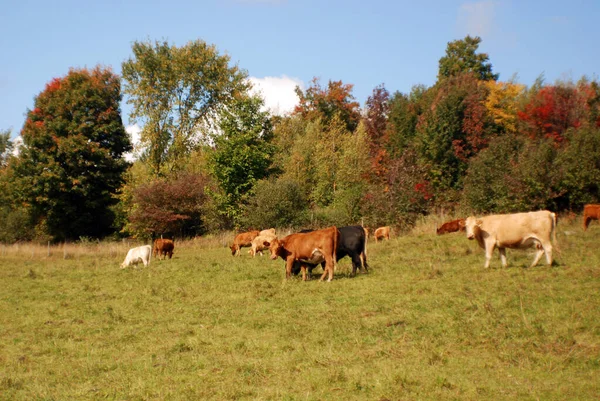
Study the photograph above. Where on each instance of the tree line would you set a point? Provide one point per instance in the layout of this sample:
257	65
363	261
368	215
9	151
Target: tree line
212	158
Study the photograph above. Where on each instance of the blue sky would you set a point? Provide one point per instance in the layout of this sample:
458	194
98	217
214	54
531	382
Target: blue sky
364	43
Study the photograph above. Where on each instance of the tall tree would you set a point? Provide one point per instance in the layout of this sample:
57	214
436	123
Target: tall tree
71	164
461	56
327	103
6	146
175	92
243	153
377	112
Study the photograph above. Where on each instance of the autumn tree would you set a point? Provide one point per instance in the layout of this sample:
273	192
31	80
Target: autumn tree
326	103
242	154
462	57
171	206
376	118
70	165
553	109
502	104
452	130
176	92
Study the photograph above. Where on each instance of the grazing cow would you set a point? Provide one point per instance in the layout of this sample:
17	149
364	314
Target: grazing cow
164	248
258	242
353	243
519	231
382	232
309	248
241	240
590	212
451	227
137	255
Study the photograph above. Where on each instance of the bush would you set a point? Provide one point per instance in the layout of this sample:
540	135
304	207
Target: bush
276	203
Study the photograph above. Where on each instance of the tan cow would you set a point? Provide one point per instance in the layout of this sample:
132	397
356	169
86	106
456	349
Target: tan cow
258	242
451	227
590	212
241	240
309	248
381	233
518	231
164	248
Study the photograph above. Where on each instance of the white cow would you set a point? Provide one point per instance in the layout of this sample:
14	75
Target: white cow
137	255
519	231
258	242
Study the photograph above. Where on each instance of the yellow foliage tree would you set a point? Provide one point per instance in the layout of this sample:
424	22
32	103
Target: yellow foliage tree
502	103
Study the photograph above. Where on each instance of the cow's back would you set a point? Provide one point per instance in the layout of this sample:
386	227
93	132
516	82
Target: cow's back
512	228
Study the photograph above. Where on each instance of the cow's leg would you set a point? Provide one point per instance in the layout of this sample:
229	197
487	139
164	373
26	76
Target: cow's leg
303	269
502	252
356	263
489	250
541	249
289	263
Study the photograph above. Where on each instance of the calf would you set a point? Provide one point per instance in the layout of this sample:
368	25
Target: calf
519	230
451	227
590	212
382	232
353	243
258	242
137	255
241	240
164	248
309	248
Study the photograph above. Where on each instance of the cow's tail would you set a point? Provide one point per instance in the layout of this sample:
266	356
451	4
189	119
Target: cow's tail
336	240
364	258
554	231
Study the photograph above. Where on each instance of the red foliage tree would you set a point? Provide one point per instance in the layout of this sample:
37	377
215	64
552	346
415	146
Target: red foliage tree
377	111
170	206
554	109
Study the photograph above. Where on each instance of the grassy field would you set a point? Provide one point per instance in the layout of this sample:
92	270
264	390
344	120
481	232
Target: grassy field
427	323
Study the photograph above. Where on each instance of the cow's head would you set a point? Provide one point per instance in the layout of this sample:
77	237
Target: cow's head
274	247
233	249
472	226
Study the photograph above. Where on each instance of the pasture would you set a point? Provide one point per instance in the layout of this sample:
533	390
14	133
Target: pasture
427	323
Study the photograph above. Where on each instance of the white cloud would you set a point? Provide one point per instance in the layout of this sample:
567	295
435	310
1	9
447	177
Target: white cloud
17	143
278	92
134	134
476	18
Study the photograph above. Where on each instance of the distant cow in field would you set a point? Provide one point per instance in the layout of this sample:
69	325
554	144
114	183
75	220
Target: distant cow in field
451	227
590	212
519	231
309	248
353	243
243	240
257	245
381	233
164	248
137	255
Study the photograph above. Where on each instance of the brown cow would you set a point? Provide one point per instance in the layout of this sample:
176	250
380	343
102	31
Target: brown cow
590	212
241	240
382	232
164	248
309	248
451	227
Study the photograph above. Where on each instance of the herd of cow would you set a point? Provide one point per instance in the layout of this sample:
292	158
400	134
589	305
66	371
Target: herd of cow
305	250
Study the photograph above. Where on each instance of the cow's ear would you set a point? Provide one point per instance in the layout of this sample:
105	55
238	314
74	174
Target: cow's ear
266	243
479	222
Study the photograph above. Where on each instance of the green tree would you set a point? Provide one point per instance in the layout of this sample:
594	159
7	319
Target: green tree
461	56
176	92
243	153
70	165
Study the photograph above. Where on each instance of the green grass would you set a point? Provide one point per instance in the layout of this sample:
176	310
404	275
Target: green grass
427	323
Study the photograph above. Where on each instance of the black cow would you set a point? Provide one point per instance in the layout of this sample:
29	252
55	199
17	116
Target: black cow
353	243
